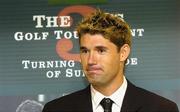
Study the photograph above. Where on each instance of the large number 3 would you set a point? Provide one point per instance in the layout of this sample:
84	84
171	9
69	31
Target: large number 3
64	46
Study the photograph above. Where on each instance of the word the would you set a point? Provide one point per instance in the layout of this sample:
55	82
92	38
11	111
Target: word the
52	21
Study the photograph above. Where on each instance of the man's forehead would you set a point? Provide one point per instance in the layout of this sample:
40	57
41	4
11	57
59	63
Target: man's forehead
95	38
96	46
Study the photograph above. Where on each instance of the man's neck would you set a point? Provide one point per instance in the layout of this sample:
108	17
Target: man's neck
109	89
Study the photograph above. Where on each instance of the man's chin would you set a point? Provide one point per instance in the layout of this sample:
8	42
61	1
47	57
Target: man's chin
92	77
94	81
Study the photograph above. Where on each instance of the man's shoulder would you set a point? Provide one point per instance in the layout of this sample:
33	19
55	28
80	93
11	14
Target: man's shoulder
72	96
151	96
151	99
67	102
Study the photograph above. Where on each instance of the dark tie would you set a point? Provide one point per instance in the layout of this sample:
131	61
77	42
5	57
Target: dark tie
107	104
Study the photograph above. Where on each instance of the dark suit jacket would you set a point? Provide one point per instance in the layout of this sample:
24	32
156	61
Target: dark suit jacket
136	100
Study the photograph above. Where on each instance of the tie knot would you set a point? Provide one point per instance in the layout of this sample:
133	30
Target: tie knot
106	104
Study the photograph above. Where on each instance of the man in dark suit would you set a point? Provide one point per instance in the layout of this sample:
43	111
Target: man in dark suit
105	43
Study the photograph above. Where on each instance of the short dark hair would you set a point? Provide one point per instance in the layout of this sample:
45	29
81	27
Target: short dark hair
110	26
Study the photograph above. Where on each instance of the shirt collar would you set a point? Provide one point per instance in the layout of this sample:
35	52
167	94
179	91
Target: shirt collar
96	97
117	96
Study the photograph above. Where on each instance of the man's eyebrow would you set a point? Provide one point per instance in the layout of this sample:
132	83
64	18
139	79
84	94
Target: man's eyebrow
82	47
101	47
97	47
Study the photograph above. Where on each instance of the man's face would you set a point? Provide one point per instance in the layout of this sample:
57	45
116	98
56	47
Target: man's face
100	60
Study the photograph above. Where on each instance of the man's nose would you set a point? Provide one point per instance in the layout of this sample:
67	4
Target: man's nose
92	58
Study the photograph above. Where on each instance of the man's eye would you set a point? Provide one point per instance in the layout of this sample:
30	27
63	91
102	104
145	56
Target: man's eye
84	51
101	50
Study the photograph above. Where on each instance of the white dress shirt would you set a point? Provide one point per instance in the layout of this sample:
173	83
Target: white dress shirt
117	97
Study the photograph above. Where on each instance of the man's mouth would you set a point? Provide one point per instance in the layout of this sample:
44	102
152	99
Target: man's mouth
93	69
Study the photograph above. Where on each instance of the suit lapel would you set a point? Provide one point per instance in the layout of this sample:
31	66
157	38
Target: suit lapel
131	102
86	105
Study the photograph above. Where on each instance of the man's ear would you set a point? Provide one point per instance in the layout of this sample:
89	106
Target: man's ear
124	52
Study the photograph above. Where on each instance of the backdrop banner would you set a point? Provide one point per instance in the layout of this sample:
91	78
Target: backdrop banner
39	50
